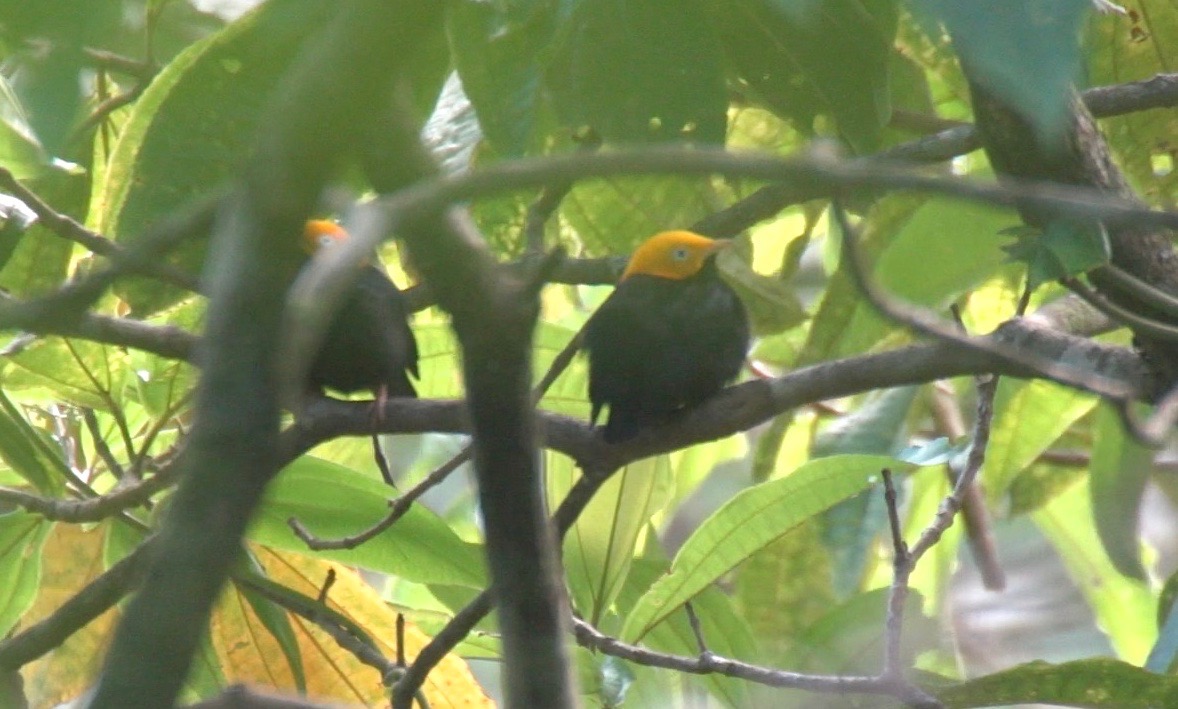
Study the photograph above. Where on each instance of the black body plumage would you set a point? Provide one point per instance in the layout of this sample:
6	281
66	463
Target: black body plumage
369	343
657	345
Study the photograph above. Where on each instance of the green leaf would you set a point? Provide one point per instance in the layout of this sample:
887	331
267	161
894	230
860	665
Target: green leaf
746	524
825	57
1131	47
614	215
930	257
1098	683
849	528
333	501
1125	609
1028	54
20	151
724	630
74	370
1063	249
784	588
600	547
189	131
1119	470
638	72
21	537
497	48
23	451
1028	418
849	638
40	260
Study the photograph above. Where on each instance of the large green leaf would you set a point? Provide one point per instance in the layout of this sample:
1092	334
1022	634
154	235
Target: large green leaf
1133	47
74	370
21	538
1028	418
746	524
784	588
24	451
1119	470
498	49
940	252
194	125
826	57
613	215
724	630
20	151
849	528
1098	683
1125	608
600	547
640	71
333	501
1026	53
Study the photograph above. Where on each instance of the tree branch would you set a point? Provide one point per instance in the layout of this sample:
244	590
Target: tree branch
316	116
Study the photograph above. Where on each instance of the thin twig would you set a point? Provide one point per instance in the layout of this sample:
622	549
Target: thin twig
980	536
696	629
973	465
929	323
397	509
1165	302
92	509
592	638
1120	314
70	229
100	445
902	565
382	463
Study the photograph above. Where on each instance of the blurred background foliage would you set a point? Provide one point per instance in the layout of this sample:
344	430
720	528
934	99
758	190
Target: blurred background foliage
120	114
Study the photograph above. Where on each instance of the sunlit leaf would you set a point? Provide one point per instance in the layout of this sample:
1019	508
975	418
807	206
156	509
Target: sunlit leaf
1125	609
1098	683
21	538
71	558
188	132
1119	470
747	523
333	501
1028	417
600	547
331	671
1133	47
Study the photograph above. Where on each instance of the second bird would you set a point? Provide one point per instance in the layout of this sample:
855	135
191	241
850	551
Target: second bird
369	344
670	336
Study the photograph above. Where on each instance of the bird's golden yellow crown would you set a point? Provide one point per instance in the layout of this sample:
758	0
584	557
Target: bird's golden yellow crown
672	254
321	232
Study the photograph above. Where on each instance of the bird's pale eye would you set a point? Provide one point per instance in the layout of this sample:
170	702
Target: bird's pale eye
325	241
679	254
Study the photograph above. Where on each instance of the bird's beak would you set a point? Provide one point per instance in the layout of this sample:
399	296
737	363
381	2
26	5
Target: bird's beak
720	245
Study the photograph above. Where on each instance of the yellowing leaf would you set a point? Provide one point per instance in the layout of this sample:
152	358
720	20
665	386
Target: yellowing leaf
71	558
248	653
